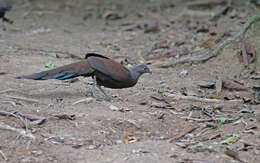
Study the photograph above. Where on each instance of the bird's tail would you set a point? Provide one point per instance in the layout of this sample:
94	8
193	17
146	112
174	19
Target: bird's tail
62	73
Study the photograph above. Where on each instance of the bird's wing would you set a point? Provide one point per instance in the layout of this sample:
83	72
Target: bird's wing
81	68
110	68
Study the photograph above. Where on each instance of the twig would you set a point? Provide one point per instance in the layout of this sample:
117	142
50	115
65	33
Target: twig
182	134
22	132
24	121
3	155
22	98
197	119
87	100
194	98
212	53
8	90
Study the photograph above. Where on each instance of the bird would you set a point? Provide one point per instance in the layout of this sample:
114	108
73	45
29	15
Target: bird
4	7
103	70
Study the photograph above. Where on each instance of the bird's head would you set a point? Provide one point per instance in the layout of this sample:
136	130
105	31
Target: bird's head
141	69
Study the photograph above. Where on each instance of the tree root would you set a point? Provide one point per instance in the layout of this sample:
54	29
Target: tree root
212	53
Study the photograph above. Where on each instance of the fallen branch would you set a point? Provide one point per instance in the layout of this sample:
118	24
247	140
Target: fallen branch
212	53
22	132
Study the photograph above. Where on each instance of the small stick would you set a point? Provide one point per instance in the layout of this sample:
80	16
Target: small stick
22	132
197	119
22	98
3	155
24	121
194	98
8	90
182	134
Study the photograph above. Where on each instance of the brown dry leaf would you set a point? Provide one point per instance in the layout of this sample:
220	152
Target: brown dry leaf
36	125
152	28
110	15
65	116
130	138
233	84
210	43
248	53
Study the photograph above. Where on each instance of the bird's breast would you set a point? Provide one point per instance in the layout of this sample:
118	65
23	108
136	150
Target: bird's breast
109	82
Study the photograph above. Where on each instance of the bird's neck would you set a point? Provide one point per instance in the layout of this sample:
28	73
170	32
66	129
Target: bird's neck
135	74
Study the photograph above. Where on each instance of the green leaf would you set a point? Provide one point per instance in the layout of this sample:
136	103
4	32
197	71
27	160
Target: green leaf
50	64
233	139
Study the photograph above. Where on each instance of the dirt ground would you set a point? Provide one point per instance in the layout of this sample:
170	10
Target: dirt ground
144	123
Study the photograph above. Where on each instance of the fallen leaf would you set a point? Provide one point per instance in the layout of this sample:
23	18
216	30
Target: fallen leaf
110	15
152	28
233	85
233	139
130	138
210	43
65	116
50	64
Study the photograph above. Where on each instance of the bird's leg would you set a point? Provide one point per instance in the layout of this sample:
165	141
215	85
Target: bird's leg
93	89
7	20
3	25
103	91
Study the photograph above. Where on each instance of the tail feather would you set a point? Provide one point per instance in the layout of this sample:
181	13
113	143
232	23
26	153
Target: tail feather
61	73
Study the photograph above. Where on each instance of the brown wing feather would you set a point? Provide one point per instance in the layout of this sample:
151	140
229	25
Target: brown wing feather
109	67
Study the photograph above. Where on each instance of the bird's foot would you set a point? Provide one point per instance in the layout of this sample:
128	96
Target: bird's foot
98	98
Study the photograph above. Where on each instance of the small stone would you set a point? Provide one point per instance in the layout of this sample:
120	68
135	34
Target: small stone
183	73
206	84
36	152
115	108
